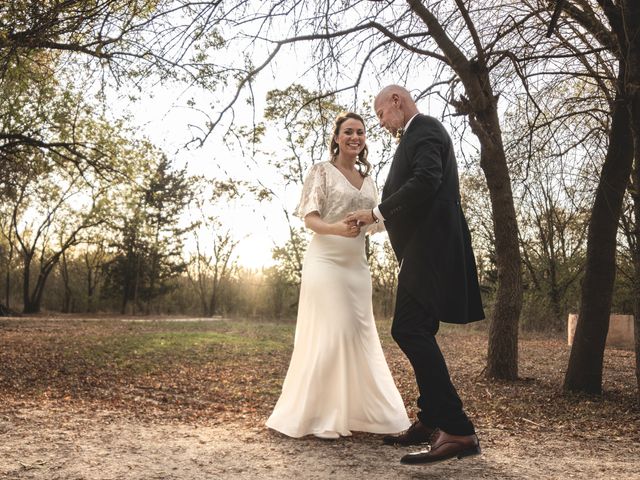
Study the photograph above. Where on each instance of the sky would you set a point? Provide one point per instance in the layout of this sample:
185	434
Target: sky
259	226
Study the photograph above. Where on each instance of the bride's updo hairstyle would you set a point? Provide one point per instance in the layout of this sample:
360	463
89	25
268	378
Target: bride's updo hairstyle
363	164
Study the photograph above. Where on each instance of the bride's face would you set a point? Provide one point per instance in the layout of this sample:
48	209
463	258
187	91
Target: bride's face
351	137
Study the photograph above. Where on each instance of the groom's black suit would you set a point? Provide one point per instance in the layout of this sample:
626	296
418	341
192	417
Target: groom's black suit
438	279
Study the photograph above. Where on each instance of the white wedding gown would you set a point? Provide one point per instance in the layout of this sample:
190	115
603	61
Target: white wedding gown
338	379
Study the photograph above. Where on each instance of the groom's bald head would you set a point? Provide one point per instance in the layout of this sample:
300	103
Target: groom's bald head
394	106
389	91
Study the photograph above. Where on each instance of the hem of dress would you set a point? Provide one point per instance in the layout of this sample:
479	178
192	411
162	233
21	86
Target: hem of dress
377	430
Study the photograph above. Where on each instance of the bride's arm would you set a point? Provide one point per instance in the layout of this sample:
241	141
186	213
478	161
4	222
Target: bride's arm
343	228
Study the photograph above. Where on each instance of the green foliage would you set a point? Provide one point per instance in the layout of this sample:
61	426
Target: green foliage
148	246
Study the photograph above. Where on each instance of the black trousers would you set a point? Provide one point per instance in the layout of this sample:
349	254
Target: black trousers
414	330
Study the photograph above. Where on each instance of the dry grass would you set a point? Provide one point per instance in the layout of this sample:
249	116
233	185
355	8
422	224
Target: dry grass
216	371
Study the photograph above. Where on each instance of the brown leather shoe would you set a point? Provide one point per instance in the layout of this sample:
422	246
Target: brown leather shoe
416	434
445	446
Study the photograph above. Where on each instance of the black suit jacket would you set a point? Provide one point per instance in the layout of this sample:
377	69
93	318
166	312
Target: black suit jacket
427	229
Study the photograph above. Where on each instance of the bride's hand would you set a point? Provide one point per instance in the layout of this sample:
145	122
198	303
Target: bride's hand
347	228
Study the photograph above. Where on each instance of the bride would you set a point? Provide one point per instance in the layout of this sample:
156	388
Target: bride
338	379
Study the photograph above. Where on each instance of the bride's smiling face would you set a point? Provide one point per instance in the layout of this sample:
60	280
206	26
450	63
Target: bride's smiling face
351	137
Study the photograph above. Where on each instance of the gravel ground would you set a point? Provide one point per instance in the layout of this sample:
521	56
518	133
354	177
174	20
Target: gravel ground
50	442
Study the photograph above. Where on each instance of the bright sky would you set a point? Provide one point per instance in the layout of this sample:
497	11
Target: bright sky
260	226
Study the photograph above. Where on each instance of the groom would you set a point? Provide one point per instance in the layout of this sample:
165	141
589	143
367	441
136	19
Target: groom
438	280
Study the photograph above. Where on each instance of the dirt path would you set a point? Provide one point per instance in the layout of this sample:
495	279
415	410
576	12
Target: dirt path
54	444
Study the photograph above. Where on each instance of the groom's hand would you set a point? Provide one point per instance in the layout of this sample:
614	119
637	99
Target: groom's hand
361	217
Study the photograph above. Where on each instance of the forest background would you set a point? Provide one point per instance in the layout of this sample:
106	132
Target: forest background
102	212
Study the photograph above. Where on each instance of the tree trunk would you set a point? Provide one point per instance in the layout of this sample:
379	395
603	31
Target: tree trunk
7	288
636	328
636	255
66	300
136	284
26	285
154	271
502	358
123	304
480	105
213	298
127	284
38	291
90	289
584	372
555	296
35	299
202	293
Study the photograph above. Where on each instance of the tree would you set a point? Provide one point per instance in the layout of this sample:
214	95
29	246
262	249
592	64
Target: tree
281	294
210	269
589	46
36	116
553	181
130	38
94	258
552	245
48	203
631	21
150	236
123	272
223	248
635	237
50	45
621	39
7	250
289	256
630	222
168	195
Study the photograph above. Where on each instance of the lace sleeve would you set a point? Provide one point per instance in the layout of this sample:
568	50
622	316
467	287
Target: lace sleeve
314	193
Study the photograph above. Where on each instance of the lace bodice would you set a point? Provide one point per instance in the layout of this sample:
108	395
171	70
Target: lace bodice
327	191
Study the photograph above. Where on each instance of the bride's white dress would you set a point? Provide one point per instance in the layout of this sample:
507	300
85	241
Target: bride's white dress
338	379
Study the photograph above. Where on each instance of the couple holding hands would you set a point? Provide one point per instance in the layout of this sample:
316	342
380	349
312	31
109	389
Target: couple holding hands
338	379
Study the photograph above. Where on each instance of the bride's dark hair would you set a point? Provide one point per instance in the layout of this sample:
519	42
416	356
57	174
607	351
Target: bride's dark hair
363	164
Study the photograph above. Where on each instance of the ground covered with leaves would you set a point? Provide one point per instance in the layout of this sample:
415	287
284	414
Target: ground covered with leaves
115	397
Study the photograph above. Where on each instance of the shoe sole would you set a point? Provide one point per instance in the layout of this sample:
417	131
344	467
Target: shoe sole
426	459
404	444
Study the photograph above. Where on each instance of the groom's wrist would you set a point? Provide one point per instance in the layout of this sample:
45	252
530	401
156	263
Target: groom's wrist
378	214
373	217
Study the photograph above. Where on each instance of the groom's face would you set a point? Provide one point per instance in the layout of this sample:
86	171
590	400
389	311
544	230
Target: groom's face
389	112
